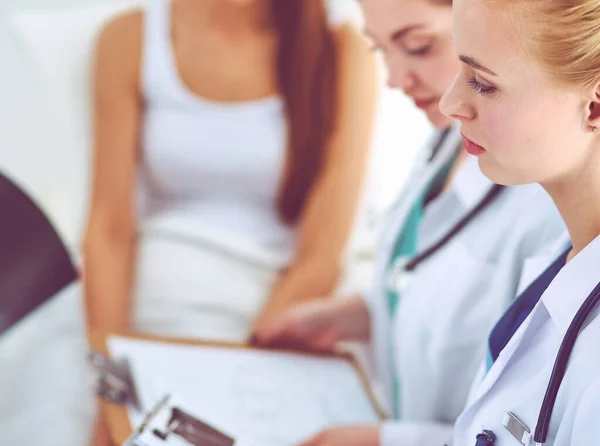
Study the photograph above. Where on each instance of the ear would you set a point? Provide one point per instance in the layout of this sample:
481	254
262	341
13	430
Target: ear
593	119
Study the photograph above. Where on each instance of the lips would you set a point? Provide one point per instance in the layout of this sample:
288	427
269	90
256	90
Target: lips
473	148
425	104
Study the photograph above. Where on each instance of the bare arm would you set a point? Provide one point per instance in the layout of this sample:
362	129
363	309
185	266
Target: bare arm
111	234
329	214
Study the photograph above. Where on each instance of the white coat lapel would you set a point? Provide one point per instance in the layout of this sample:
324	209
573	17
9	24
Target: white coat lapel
421	175
531	272
419	178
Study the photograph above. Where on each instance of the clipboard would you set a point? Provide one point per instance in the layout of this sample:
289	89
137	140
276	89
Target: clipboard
116	415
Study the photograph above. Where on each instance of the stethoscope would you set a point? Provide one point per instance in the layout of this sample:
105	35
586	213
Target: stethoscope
488	438
400	272
403	267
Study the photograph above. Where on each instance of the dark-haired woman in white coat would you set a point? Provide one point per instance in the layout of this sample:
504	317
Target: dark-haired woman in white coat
458	250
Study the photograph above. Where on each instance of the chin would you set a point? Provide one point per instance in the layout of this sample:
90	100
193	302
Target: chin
499	174
439	120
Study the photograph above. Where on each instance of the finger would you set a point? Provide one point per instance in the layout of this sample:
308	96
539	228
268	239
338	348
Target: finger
253	340
325	341
279	329
315	441
290	345
297	326
305	334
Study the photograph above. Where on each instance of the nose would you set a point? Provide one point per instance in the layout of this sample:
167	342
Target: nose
455	104
400	76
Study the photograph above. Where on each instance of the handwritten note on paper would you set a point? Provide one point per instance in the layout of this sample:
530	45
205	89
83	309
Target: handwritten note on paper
263	398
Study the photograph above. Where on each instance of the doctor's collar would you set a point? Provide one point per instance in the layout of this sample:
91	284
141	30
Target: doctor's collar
571	286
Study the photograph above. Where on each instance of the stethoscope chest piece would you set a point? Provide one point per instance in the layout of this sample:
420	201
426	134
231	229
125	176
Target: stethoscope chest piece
399	277
486	438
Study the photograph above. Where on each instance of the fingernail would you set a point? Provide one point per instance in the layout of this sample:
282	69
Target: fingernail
253	339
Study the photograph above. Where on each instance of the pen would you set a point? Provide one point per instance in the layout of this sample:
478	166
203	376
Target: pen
162	403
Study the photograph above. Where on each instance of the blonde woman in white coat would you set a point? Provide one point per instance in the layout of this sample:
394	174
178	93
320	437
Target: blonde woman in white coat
533	113
458	250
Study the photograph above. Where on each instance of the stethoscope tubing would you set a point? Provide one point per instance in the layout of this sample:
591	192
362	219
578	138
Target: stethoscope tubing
561	363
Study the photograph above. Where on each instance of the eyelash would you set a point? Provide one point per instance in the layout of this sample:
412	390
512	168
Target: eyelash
480	88
421	51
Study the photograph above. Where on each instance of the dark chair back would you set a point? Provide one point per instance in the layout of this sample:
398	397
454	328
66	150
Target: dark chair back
34	264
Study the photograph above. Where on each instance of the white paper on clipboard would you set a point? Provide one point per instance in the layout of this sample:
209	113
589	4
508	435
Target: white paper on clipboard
257	397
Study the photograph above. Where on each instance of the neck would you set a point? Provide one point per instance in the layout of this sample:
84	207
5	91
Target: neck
223	14
461	157
578	201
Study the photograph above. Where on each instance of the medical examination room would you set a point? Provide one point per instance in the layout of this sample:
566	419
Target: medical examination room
299	222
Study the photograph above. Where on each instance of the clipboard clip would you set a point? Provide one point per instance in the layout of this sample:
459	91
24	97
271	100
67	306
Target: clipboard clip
178	423
194	431
115	382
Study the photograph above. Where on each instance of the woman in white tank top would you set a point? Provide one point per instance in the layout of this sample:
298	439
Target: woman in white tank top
231	139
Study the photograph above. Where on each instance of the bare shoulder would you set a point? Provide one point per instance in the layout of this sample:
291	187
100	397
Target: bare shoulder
119	46
357	64
122	31
350	42
357	92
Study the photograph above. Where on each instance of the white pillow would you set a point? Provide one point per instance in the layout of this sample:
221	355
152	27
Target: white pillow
61	43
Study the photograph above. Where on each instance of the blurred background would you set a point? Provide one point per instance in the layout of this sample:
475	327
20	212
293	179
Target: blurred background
45	49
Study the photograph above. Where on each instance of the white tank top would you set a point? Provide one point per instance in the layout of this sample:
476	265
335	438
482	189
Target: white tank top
211	168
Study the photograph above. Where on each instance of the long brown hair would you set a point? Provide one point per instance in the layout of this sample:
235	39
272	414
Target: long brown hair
307	75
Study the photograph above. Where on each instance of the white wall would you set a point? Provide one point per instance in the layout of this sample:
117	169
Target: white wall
29	150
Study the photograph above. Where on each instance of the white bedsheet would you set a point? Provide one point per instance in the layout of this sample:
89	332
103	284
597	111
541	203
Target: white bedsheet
43	375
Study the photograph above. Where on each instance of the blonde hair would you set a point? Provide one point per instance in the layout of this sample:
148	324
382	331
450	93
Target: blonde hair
565	37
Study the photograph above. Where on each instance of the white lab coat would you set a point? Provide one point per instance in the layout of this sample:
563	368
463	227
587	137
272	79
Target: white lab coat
518	379
439	332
